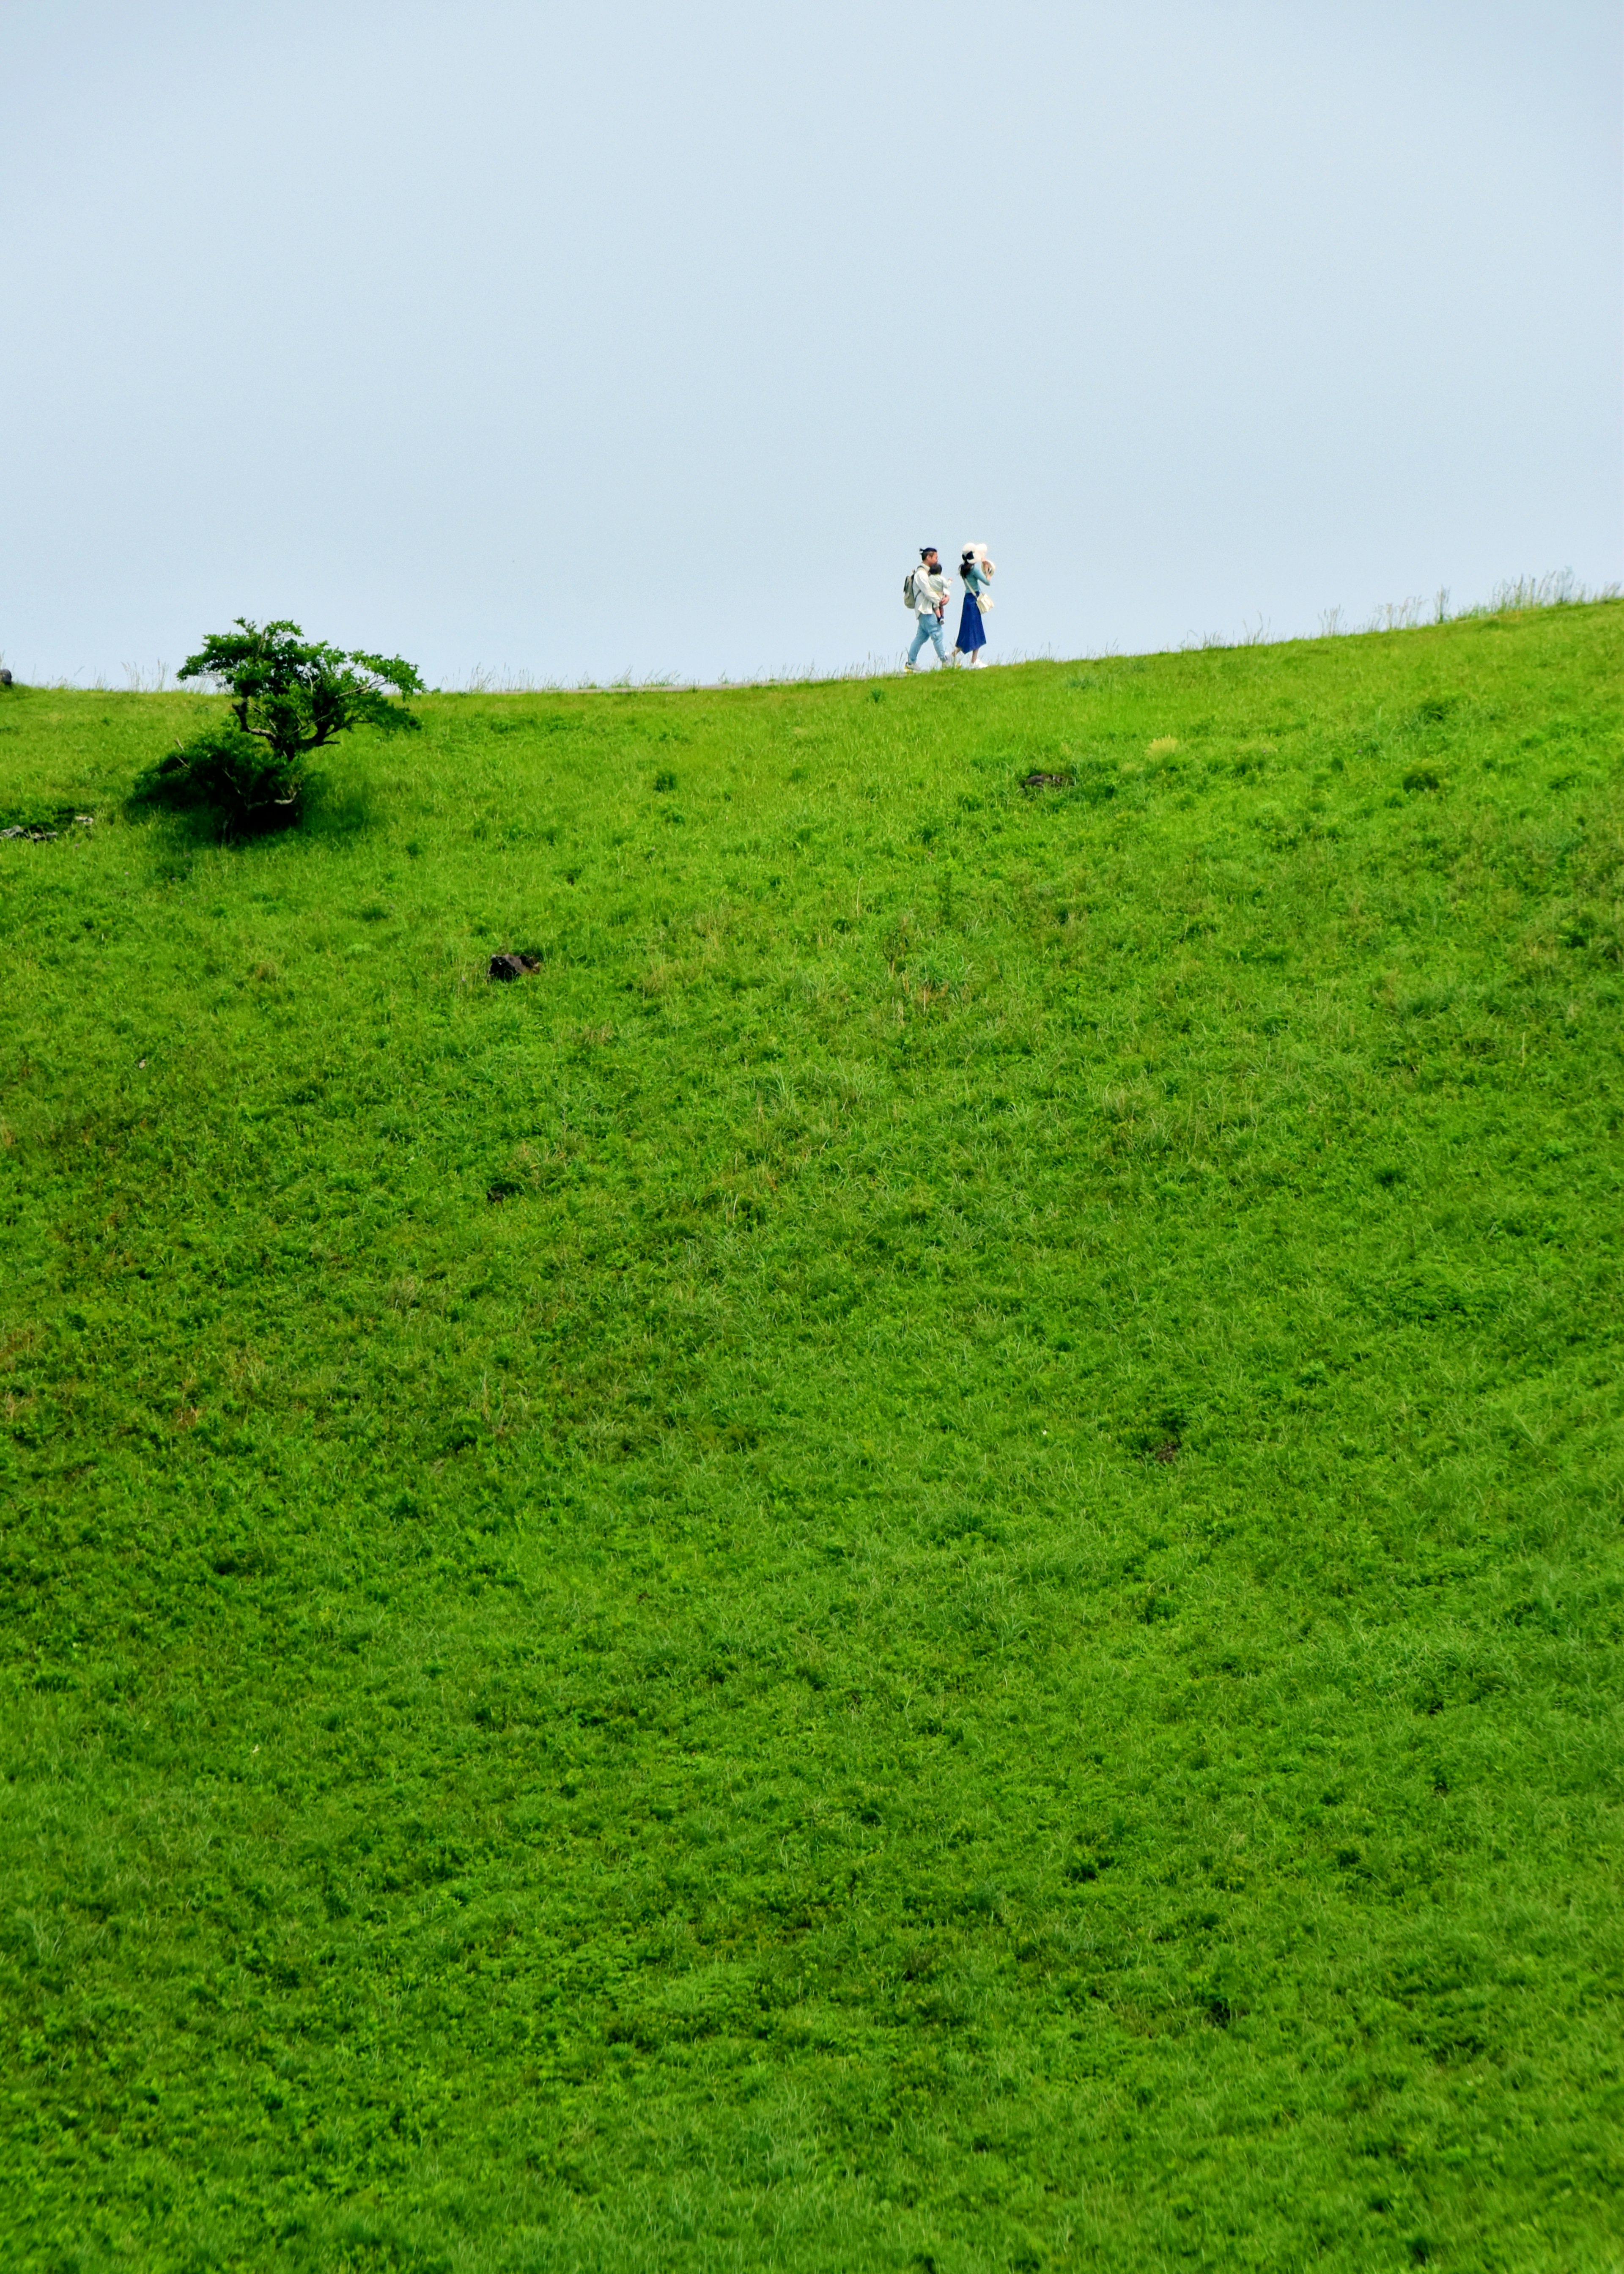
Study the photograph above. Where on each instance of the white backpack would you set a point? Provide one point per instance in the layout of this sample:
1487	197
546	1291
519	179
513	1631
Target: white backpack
908	601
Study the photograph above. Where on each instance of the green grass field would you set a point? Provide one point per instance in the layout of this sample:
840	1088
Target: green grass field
916	1565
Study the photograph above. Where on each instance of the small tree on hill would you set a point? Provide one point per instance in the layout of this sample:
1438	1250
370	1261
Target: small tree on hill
290	698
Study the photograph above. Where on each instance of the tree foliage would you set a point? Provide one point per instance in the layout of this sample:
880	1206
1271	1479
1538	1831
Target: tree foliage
290	697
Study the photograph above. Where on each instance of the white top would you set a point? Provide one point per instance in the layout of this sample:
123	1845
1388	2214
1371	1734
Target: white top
931	590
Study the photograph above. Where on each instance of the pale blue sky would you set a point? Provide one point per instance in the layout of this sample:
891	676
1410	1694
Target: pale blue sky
571	341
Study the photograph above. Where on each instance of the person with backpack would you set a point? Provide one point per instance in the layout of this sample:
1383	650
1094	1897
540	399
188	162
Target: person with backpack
976	570
925	592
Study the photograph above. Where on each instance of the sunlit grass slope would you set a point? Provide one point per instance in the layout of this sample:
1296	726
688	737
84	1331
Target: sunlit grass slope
916	1565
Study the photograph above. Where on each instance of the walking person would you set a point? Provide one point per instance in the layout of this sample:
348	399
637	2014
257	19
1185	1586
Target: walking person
977	572
925	590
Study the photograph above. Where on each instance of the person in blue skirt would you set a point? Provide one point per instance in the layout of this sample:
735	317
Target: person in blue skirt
976	570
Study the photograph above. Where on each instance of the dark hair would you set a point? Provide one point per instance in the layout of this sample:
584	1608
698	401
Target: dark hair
965	565
928	548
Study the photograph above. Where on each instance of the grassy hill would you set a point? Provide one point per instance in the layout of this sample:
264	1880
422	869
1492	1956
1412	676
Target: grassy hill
915	1565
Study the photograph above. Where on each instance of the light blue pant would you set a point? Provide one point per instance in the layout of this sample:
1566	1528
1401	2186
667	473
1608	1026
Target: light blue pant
930	628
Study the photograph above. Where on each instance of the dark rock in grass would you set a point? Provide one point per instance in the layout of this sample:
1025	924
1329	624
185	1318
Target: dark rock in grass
40	833
512	966
1047	781
5	679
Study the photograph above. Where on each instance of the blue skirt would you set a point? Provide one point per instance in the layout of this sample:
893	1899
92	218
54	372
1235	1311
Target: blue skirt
971	633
